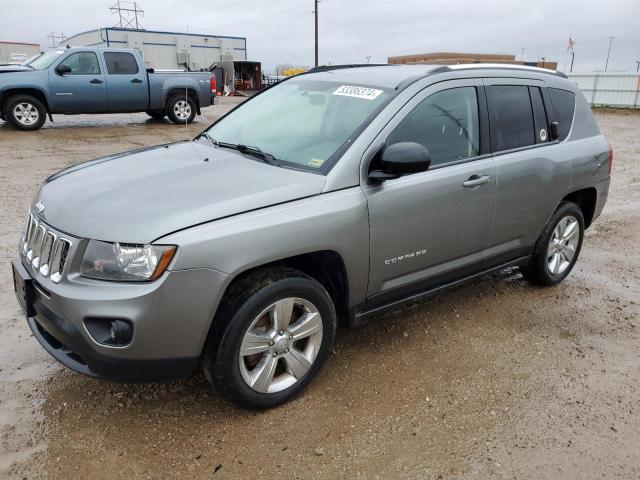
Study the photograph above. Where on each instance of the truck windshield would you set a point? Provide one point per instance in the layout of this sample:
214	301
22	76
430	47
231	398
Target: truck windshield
303	122
45	60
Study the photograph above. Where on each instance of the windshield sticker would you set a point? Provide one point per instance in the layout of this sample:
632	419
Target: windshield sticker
316	162
358	92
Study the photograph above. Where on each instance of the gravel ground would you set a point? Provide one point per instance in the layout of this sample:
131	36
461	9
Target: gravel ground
497	379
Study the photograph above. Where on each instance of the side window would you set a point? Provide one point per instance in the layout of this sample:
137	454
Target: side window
511	117
446	123
564	104
120	63
82	63
539	115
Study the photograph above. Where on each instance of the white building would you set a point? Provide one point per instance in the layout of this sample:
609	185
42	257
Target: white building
167	50
17	52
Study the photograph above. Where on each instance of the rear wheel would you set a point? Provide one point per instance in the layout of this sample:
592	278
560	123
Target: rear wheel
25	112
279	328
181	109
157	114
558	247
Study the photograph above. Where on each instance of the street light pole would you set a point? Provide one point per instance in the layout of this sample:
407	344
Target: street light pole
608	53
637	65
315	11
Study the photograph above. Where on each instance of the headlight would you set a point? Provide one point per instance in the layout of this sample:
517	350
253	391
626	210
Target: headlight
125	262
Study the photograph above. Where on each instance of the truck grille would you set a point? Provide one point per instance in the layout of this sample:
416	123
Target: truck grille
46	251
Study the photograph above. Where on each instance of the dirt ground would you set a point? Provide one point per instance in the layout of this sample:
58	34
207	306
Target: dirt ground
497	379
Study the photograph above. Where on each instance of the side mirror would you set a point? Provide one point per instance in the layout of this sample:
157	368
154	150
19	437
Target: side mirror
401	159
63	69
554	130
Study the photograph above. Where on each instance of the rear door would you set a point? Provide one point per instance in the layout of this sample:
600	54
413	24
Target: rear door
127	83
429	227
531	177
83	90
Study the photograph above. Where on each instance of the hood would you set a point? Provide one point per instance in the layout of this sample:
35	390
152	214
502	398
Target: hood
140	196
14	68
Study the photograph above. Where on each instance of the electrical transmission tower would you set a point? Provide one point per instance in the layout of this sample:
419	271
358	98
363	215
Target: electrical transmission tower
57	39
128	13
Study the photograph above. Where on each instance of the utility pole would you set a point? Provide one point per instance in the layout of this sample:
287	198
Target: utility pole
315	11
608	53
57	39
573	56
543	59
637	65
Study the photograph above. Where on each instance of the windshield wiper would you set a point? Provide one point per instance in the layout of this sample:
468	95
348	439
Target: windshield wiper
246	149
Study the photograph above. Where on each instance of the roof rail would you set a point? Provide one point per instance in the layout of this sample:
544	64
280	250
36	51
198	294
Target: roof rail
500	66
326	68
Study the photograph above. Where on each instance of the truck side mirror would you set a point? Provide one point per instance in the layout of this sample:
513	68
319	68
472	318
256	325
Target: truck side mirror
401	159
62	69
554	130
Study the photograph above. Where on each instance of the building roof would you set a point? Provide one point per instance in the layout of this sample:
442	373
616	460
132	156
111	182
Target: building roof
20	43
162	32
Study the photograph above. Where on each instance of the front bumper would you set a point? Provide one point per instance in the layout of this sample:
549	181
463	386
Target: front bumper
170	318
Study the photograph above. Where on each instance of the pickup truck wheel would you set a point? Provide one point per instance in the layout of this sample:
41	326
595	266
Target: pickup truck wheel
25	112
279	330
157	114
181	109
557	248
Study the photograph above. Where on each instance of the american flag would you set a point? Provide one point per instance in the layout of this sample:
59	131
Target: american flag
571	44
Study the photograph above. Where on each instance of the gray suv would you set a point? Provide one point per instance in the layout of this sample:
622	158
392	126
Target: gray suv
331	196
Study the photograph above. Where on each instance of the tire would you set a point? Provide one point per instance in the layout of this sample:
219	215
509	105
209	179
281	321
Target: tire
181	109
25	112
557	248
157	114
293	358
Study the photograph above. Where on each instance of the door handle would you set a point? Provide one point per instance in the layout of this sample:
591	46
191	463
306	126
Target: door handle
136	80
95	80
475	180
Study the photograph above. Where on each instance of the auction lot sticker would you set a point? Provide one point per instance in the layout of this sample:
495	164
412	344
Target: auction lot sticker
358	92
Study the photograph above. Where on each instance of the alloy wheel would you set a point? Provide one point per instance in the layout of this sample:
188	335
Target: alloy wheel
563	244
26	113
280	345
182	109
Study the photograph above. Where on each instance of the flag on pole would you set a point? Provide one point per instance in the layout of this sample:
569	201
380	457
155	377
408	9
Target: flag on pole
571	44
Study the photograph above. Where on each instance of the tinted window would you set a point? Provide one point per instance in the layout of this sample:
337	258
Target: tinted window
120	63
539	115
564	104
446	123
511	117
82	63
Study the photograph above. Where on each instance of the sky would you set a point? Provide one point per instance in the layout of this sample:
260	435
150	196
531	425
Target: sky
282	31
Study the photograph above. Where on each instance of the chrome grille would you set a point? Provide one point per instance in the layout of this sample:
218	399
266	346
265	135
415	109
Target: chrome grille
46	251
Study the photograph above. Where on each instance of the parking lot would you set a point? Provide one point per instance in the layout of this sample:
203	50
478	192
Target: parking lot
496	379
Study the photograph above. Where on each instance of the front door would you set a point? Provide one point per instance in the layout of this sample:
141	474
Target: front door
83	89
429	226
127	83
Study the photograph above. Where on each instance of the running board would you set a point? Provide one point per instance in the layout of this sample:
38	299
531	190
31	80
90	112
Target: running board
358	316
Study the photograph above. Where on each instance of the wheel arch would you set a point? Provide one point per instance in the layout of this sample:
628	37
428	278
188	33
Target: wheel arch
586	199
325	266
5	95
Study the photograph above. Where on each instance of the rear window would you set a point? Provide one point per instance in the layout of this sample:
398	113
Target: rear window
564	104
120	63
511	117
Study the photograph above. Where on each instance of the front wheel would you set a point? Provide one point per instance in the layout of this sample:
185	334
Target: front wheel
557	248
181	109
279	329
25	112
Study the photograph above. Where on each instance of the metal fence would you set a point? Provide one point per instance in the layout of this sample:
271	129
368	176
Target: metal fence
609	89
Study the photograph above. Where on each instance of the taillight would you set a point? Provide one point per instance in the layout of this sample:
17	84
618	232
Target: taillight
610	157
214	84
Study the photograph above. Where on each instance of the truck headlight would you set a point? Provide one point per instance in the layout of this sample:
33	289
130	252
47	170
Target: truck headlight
125	262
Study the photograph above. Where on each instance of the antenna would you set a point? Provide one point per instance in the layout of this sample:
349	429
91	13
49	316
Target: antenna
57	39
186	92
128	13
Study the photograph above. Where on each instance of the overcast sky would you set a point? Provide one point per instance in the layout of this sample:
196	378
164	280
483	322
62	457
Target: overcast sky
280	31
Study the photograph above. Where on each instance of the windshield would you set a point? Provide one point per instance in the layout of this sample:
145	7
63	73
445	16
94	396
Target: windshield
301	121
45	60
